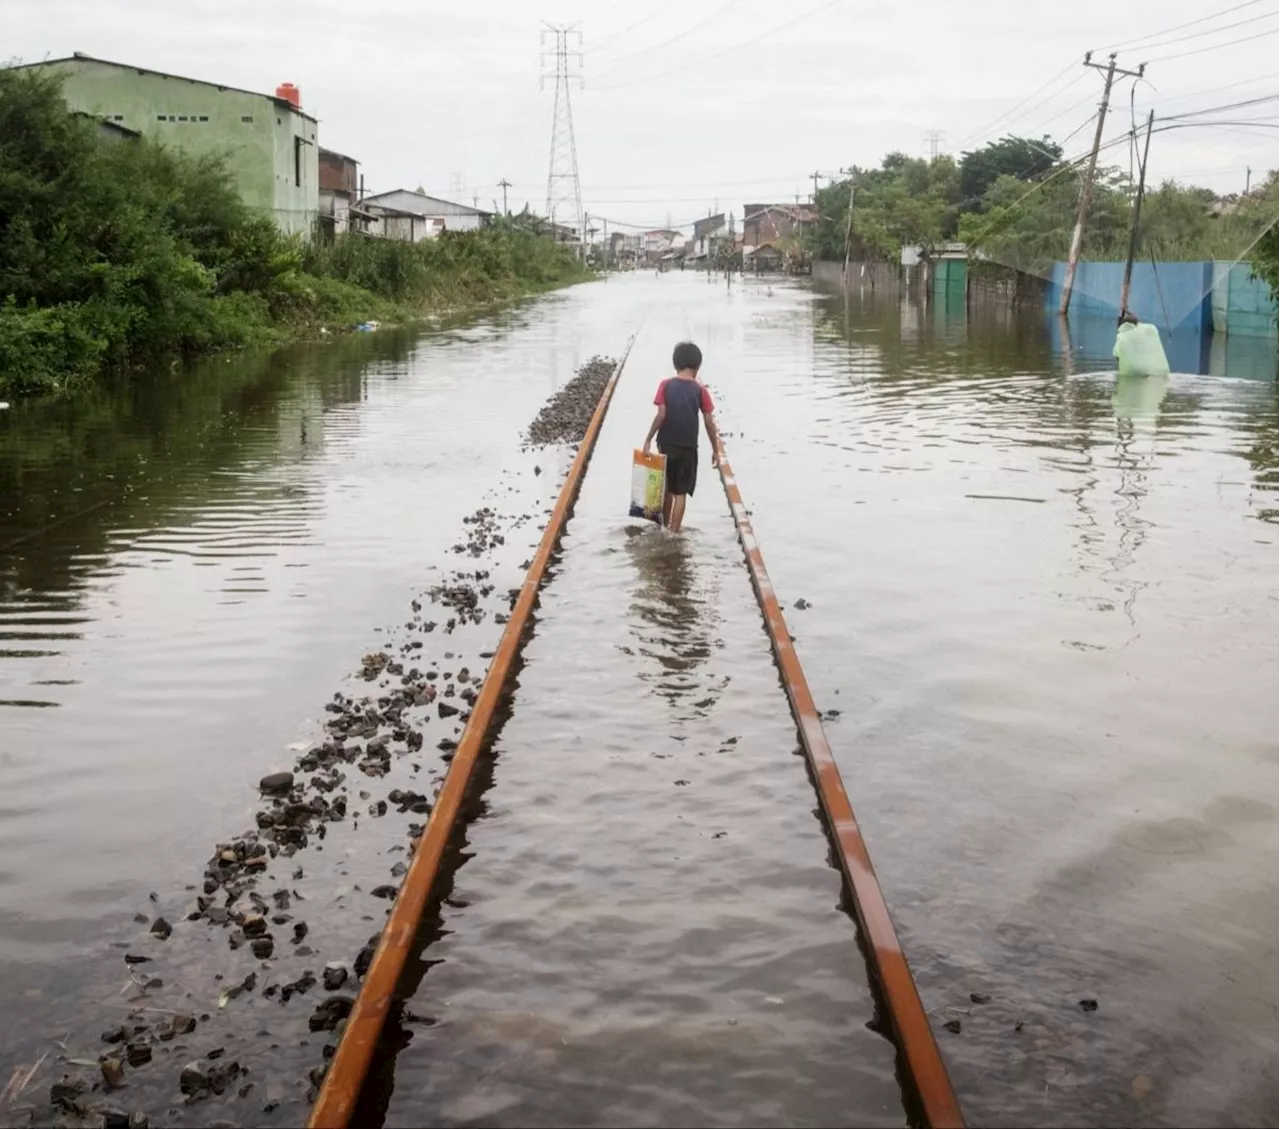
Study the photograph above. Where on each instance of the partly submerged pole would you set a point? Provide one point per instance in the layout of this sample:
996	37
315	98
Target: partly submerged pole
1137	213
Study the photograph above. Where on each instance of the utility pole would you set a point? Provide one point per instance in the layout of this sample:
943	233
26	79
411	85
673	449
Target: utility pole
1086	189
1248	176
934	138
564	189
504	184
1137	212
814	177
848	235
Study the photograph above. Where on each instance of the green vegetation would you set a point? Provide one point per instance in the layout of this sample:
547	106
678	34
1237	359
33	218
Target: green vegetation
114	254
1015	200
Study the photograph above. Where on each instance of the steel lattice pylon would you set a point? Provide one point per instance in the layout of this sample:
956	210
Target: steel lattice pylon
564	189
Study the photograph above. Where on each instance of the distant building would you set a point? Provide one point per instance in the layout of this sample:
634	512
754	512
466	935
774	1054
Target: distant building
708	235
775	224
339	190
657	243
414	216
269	143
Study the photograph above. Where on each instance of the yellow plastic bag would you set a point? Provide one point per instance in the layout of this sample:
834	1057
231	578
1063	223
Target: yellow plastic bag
648	485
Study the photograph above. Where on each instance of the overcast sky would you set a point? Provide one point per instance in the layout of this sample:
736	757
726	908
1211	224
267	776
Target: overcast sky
692	103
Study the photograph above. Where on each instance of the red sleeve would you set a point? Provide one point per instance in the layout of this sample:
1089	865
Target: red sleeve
661	397
707	406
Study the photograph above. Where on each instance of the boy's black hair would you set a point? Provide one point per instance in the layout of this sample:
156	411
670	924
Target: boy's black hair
1126	318
687	355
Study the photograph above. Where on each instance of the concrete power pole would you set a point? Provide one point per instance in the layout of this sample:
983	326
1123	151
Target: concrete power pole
504	184
1086	189
814	177
564	189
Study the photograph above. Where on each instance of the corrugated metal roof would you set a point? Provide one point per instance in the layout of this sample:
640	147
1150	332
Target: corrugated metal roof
427	201
334	153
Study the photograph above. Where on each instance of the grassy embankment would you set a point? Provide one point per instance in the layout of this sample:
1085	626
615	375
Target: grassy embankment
119	254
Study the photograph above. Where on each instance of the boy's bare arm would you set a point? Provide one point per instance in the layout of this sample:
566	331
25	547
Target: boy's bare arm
717	451
653	427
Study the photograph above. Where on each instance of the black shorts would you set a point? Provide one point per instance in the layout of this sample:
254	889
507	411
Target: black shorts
682	469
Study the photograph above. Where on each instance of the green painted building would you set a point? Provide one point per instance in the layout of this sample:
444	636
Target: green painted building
269	144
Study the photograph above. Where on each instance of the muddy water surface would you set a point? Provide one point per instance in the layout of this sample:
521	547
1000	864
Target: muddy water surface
1043	604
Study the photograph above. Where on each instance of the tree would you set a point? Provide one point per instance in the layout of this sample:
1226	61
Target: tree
1017	157
906	201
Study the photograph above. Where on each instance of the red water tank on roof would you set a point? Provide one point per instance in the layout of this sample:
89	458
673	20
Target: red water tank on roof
289	93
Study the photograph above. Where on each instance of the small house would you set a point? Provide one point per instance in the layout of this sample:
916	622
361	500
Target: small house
413	216
339	190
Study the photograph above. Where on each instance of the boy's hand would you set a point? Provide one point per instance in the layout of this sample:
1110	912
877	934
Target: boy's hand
716	456
645	449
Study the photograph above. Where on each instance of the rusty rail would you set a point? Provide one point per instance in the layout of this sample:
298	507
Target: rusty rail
346	1075
924	1065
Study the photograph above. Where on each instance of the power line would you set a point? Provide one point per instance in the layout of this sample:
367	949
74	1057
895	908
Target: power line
1219	89
1035	93
731	48
619	64
1214	47
1087	121
1220	109
1202	34
1090	97
609	38
1179	27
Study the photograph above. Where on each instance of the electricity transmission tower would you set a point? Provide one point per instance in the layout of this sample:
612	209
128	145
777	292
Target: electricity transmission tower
935	138
564	190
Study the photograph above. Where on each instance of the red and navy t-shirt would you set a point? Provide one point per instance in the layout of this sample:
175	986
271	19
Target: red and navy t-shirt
684	400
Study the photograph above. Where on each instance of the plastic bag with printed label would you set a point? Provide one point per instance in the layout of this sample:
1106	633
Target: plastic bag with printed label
648	485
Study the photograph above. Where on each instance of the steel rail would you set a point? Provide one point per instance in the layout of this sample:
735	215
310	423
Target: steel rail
349	1067
926	1071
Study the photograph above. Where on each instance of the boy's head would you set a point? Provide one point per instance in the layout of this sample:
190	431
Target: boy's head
687	356
1126	318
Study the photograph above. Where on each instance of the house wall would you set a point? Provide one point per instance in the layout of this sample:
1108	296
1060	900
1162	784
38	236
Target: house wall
338	174
253	133
457	217
335	207
769	228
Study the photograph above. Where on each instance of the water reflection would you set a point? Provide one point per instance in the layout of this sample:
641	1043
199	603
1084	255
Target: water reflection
674	616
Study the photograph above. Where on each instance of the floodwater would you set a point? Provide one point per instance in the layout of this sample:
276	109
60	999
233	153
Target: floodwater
1043	603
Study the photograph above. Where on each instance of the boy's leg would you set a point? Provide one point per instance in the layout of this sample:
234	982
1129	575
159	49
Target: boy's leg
677	513
667	499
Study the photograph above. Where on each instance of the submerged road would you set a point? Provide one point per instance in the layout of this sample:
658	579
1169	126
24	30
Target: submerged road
1041	618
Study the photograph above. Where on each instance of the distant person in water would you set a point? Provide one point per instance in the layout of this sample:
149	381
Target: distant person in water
680	400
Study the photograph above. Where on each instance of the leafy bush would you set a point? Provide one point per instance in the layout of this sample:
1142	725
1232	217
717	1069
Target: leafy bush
111	254
42	349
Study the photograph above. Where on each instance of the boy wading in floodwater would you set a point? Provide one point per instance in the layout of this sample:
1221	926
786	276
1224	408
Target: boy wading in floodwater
680	400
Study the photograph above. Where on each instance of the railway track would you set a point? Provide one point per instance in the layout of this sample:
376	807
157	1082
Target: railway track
929	1096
